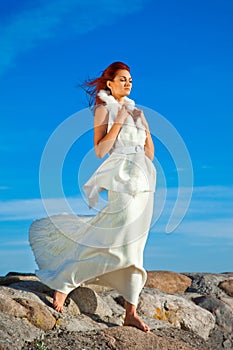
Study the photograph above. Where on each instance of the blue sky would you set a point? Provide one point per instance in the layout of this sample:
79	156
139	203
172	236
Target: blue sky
180	54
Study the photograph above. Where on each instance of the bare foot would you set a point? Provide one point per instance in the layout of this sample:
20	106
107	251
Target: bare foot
58	300
134	321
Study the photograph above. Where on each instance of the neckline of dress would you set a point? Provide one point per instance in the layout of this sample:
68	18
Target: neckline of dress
105	96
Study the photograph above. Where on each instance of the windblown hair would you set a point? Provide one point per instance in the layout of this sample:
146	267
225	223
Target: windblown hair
93	86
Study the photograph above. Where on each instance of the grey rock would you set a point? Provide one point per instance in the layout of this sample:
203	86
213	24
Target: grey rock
175	320
228	345
227	300
15	331
70	307
177	311
222	312
90	302
33	286
117	309
206	284
155	324
217	338
17	293
14	277
81	323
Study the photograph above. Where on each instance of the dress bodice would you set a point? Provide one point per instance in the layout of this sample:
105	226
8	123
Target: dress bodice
127	169
132	136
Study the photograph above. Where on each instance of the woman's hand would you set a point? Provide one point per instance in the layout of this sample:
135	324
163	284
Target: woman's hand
122	115
138	113
104	140
149	145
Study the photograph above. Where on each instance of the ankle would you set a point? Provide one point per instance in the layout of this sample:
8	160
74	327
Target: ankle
130	309
131	313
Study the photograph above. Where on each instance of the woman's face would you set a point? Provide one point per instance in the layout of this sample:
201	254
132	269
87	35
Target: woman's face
121	85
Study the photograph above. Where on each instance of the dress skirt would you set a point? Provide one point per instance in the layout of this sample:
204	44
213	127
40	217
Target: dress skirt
105	249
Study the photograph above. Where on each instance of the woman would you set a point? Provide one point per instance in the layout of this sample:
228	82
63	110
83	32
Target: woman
107	249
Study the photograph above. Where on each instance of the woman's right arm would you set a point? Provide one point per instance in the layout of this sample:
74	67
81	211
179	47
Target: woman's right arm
103	140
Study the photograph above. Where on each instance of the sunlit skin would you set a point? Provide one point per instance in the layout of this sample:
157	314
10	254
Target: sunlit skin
120	87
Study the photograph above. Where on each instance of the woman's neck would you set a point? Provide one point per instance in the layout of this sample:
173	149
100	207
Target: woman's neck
119	99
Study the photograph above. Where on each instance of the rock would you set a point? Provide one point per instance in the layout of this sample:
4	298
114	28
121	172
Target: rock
206	283
21	275
155	324
217	339
15	331
176	321
178	311
130	338
167	281
227	286
11	307
38	314
227	344
81	323
33	286
110	299
17	293
223	313
72	308
228	301
115	338
189	338
90	302
14	277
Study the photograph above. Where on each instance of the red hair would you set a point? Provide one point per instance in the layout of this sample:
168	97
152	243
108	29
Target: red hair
92	87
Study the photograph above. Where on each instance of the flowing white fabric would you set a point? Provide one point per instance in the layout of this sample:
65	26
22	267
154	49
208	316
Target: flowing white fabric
108	248
127	169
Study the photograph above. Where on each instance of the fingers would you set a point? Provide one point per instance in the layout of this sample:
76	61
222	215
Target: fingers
138	112
122	115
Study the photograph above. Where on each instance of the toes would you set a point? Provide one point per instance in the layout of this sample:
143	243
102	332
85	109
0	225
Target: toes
147	329
57	307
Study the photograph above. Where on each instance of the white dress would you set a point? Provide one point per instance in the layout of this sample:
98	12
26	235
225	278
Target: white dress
107	248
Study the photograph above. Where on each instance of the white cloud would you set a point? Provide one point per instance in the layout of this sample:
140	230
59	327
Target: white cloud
210	213
209	223
32	209
28	28
10	244
219	227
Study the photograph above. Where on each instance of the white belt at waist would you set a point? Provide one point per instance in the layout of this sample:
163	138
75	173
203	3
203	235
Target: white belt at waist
128	149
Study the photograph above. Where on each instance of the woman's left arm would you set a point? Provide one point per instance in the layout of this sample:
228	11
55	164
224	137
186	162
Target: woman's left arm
149	145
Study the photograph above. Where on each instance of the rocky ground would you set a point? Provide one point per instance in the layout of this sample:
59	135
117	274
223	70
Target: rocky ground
188	311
